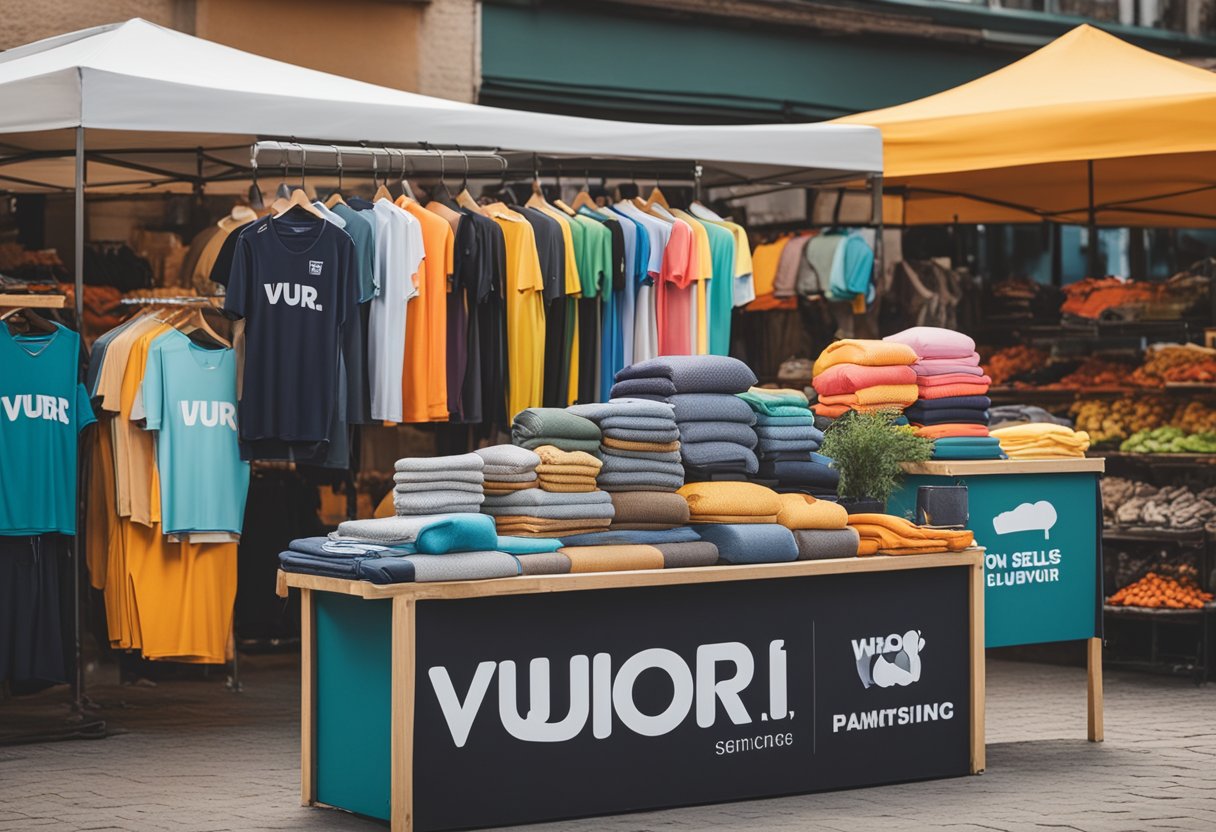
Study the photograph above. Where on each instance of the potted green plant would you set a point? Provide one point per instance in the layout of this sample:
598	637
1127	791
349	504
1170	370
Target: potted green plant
868	450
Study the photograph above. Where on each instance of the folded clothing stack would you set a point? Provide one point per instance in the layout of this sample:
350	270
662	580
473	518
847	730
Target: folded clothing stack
612	557
435	485
640	445
555	426
787	440
820	527
1042	441
750	542
948	375
730	502
714	429
858	374
508	468
648	510
535	512
566	471
1021	414
967	447
885	534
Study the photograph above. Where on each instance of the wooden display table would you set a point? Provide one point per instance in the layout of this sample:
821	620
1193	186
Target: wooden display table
1040	523
485	703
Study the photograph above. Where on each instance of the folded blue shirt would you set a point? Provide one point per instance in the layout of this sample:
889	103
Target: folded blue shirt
750	542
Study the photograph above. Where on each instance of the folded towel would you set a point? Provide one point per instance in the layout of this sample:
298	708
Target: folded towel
685	555
805	418
323	547
750	542
760	397
893	532
575	486
526	545
849	378
931	364
711	407
719	456
977	402
499	475
945	391
653	436
964	453
830	411
587	446
557	471
432	477
681	534
544	563
793	432
736	432
437	502
730	498
821	544
952	378
507	459
438	485
460	462
694	373
647	447
648	509
615	423
550	455
934	342
392	530
948	429
612	455
556	512
376	570
612	558
463	566
632	480
615	408
624	465
864	352
657	389
800	511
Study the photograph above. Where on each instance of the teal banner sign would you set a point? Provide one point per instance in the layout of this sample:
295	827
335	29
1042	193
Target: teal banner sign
1042	567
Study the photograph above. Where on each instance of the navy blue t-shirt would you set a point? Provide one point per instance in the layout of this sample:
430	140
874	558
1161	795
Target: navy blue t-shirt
294	281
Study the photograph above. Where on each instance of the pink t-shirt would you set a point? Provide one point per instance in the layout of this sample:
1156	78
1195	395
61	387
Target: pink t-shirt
674	291
935	342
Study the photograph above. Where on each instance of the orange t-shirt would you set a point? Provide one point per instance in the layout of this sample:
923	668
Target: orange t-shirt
674	291
424	379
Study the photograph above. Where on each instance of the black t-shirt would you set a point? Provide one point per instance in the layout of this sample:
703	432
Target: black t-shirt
294	281
222	267
551	248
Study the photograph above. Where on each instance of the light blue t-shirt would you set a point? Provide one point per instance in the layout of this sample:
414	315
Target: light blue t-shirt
43	406
852	270
189	395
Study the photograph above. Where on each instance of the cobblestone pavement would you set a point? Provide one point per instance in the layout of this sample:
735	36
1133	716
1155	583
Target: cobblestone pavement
195	758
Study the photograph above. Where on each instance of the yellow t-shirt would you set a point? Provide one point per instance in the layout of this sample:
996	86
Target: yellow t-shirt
705	273
525	313
764	265
743	249
424	380
574	288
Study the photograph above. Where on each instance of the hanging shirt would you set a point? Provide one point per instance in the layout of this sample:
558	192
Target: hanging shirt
189	396
135	467
424	378
42	409
399	253
674	291
632	231
721	287
551	249
744	287
703	276
361	229
765	260
480	272
525	308
294	282
646	328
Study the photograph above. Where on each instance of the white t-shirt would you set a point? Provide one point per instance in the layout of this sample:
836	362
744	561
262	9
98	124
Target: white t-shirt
399	253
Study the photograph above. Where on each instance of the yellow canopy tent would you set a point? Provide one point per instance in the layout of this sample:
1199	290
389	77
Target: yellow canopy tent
1087	130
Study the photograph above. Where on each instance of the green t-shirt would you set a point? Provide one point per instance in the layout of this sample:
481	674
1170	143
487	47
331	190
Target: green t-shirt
43	406
721	287
595	259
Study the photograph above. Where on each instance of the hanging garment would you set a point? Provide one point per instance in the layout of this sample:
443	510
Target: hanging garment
424	375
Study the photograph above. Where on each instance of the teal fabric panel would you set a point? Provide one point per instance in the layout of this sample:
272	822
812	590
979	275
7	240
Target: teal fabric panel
1043	564
354	703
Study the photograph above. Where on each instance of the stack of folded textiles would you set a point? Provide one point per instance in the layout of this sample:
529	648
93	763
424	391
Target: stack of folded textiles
787	440
1042	441
451	547
740	518
634	549
508	468
821	528
566	471
854	374
715	435
535	512
639	446
441	484
952	403
885	534
555	426
1019	414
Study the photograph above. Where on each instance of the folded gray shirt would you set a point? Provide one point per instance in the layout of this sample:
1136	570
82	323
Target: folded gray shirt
438	476
637	423
735	432
614	408
460	462
507	459
694	373
574	511
666	456
711	407
657	436
387	529
527	497
639	481
434	502
438	485
464	566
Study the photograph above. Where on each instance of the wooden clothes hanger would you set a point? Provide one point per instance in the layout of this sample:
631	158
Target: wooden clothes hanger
583	198
383	192
465	199
32	320
657	198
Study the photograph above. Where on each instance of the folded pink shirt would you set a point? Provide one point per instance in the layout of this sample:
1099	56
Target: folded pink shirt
843	379
939	366
935	342
953	378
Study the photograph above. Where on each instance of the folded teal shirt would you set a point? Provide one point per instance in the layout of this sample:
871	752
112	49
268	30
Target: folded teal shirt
458	533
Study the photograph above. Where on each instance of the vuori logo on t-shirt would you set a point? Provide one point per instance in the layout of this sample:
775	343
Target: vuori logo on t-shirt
36	406
292	294
208	414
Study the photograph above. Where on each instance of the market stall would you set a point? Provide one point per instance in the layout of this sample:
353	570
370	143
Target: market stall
792	716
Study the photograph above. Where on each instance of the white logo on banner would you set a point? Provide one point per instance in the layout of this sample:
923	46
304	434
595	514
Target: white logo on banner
1028	517
35	406
889	661
292	294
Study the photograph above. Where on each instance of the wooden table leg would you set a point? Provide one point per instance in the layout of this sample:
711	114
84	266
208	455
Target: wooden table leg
978	671
308	719
1096	712
401	805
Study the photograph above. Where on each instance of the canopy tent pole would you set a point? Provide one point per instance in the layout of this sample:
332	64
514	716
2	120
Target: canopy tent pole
876	219
78	256
1092	215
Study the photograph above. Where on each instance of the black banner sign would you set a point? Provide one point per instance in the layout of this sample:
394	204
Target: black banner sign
539	707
